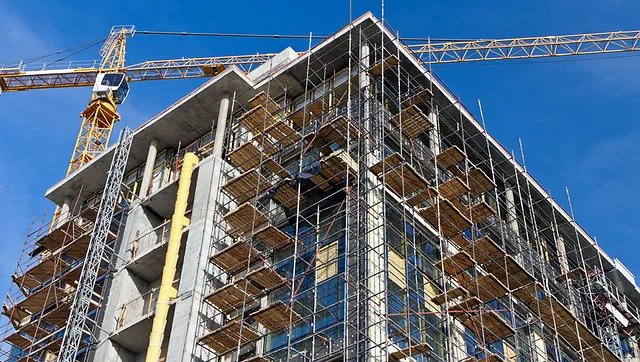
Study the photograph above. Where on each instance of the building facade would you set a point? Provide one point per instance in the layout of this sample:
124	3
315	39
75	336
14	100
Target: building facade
345	206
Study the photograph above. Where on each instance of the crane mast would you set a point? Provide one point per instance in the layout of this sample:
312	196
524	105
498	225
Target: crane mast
101	114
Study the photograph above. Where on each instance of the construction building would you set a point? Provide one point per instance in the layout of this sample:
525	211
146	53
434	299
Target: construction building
336	205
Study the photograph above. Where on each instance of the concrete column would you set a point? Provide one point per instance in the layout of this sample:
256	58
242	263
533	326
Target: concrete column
196	258
196	255
220	128
434	133
147	176
562	255
512	216
65	210
375	262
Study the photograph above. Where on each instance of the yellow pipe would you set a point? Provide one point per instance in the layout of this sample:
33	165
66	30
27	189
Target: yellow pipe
167	292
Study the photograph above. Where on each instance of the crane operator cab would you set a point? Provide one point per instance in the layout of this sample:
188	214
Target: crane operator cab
111	84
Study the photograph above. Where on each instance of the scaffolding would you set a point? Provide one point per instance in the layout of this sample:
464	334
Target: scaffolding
362	219
59	293
363	215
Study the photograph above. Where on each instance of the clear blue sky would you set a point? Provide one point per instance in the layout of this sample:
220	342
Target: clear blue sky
577	119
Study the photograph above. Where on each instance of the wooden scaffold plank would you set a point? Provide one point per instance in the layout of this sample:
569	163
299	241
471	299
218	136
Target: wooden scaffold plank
273	237
390	61
265	277
235	257
418	97
390	162
484	250
494	326
412	121
246	186
452	221
450	157
455	264
244	219
276	316
263	99
257	119
228	336
245	157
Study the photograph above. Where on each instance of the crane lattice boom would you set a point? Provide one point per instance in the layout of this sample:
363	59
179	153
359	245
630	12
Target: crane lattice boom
519	48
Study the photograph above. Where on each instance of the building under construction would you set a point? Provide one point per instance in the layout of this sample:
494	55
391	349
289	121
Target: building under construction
336	205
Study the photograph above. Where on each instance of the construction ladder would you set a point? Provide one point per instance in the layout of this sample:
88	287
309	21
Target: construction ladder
78	316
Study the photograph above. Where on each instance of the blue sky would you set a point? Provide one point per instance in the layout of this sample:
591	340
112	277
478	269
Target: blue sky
576	118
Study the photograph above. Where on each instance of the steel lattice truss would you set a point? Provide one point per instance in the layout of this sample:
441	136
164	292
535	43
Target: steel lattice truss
519	48
77	324
18	78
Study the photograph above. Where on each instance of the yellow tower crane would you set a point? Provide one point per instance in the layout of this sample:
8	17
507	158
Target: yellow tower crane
110	80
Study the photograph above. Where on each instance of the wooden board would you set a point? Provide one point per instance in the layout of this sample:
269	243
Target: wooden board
265	277
227	297
412	121
456	264
479	182
273	237
246	186
42	298
571	274
495	328
320	181
600	352
335	132
245	157
235	257
283	134
62	234
335	166
461	241
287	196
481	211
450	294
263	99
487	288
79	246
301	117
423	197
390	162
404	180
484	250
411	350
228	336
18	340
257	119
462	309
450	157
509	272
389	61
244	219
89	213
452	221
41	272
276	168
453	188
418	98
276	316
